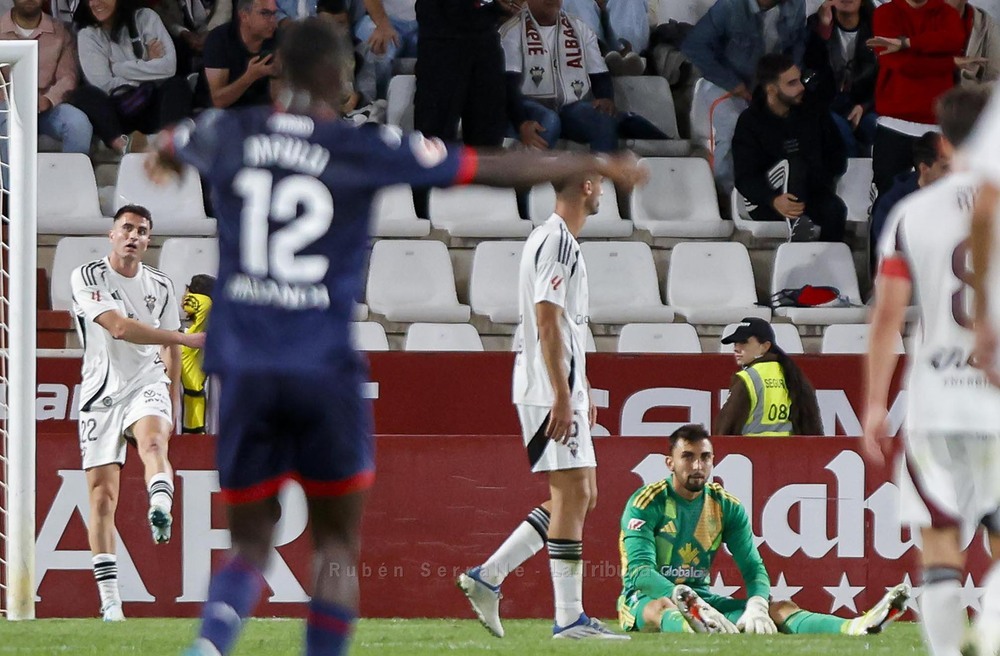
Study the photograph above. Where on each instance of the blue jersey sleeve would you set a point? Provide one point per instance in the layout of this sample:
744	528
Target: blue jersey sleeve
196	142
418	161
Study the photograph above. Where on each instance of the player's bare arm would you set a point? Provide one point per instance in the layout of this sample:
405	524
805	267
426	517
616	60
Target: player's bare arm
136	332
892	293
981	238
526	168
548	316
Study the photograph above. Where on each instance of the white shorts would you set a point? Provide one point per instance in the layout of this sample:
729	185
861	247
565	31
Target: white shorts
103	430
547	455
950	479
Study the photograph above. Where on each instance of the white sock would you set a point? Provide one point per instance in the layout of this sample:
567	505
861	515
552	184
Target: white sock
942	613
566	565
526	540
106	574
161	491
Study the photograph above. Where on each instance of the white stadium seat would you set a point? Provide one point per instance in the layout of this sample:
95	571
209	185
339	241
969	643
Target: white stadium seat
785	334
369	336
442	337
515	344
399	101
649	96
72	252
760	229
393	214
67	196
623	285
413	281
855	189
851	338
184	257
177	207
679	200
658	338
606	224
477	211
818	264
712	282
493	281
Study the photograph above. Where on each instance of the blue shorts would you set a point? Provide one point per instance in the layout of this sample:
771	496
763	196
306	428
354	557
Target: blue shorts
315	428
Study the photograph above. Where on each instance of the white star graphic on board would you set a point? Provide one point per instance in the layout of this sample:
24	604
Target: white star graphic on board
782	591
720	588
915	591
843	594
971	595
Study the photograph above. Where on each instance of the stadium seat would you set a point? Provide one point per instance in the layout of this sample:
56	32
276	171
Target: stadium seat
712	282
178	208
855	189
649	96
393	214
72	252
442	337
816	263
760	229
786	334
413	281
606	224
67	196
658	338
851	338
399	101
623	285
184	257
369	336
477	211
493	281
679	200
515	344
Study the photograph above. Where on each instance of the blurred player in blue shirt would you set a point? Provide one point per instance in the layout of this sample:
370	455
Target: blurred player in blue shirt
293	188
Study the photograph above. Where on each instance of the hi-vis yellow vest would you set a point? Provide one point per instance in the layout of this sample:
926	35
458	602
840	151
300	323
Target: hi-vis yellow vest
770	404
193	378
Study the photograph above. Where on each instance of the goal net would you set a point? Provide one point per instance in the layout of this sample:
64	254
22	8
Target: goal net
18	166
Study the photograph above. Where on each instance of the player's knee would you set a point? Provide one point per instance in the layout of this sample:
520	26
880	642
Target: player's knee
782	610
652	614
103	500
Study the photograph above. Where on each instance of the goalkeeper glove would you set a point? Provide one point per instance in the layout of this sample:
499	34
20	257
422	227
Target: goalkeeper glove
755	618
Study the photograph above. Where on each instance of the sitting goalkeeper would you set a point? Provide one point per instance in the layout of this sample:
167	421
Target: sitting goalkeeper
670	533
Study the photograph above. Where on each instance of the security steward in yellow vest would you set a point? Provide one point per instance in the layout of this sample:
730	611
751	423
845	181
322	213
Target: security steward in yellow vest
760	402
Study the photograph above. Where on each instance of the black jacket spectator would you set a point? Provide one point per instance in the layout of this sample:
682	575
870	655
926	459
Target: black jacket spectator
839	84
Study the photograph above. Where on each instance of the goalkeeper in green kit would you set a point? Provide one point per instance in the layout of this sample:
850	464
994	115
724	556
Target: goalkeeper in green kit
670	533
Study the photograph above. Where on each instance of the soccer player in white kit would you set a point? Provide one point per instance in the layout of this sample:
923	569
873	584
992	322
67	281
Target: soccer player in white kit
949	475
125	311
552	396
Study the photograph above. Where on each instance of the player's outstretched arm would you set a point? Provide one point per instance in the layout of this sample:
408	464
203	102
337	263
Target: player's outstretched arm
525	168
892	293
981	240
136	332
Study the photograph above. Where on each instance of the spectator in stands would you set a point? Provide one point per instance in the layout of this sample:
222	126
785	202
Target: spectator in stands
622	28
725	45
981	62
386	33
57	76
337	12
239	56
187	21
558	85
930	163
130	65
788	157
917	42
845	69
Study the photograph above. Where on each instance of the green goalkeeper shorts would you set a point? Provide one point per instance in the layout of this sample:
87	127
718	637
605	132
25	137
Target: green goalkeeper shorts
630	609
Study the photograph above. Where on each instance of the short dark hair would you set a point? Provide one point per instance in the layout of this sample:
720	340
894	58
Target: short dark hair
771	67
202	283
312	51
138	210
244	5
331	6
957	111
573	180
926	149
688	433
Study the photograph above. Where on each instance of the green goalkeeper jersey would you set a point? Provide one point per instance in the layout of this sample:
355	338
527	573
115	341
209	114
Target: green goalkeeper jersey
666	540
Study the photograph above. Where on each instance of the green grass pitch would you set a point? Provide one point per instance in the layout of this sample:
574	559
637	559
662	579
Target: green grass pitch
153	637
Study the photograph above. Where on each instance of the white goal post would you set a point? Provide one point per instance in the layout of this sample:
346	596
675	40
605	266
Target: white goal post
19	62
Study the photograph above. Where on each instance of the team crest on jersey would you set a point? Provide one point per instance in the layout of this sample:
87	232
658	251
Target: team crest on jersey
96	295
689	554
150	302
635	524
537	73
577	88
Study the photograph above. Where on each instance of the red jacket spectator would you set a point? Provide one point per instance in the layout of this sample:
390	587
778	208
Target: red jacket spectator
909	81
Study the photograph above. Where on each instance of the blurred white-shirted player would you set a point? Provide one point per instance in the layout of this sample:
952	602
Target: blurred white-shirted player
125	311
949	475
552	396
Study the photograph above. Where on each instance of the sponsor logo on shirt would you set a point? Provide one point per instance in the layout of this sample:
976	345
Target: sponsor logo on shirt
555	282
635	524
96	295
684	572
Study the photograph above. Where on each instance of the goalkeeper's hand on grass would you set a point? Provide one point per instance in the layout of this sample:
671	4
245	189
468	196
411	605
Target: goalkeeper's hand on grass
755	618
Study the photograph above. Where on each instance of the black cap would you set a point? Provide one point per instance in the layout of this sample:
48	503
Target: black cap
751	327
